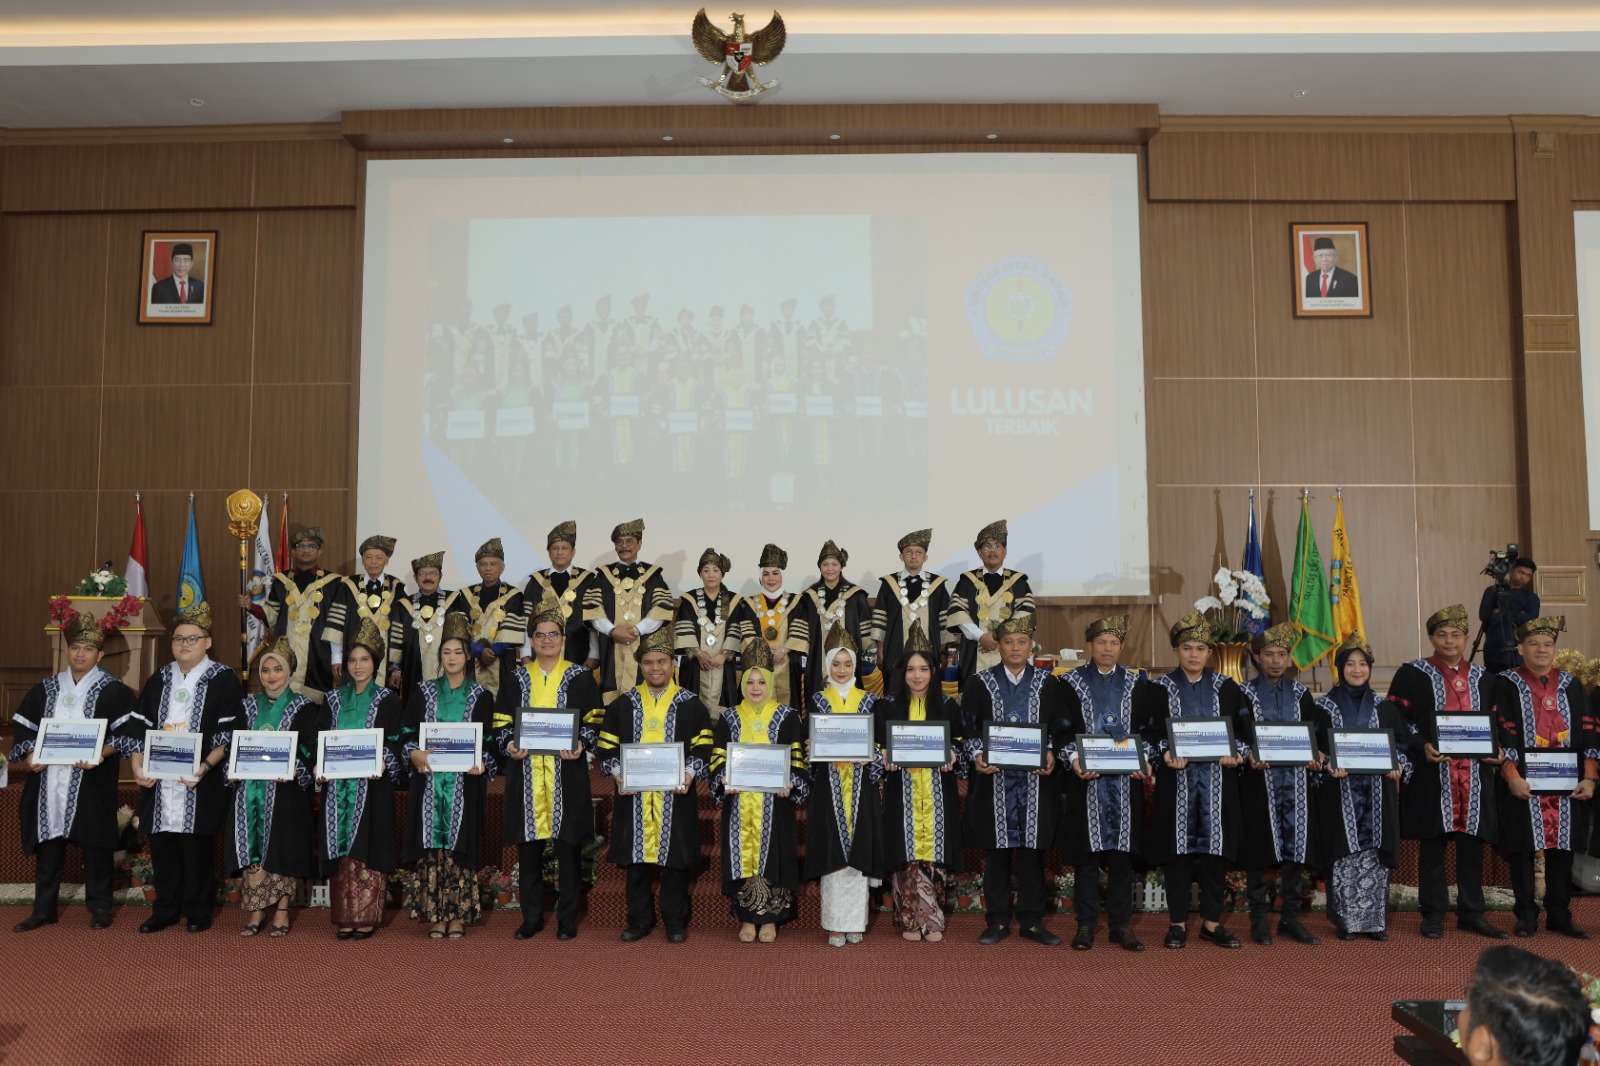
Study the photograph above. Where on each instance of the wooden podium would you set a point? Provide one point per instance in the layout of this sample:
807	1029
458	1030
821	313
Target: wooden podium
130	652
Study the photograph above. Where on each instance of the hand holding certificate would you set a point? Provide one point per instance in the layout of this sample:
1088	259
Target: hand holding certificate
1552	771
1101	755
915	745
652	768
349	753
1201	739
452	747
1016	746
1284	744
547	731
1363	751
757	768
170	755
1465	735
841	738
69	742
262	755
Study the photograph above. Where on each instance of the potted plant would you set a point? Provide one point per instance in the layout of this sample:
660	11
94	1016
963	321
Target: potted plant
232	890
1240	595
502	888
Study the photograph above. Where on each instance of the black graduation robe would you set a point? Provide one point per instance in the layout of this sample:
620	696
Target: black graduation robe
1196	808
720	634
845	603
287	816
413	638
214	714
791	629
831	845
1278	803
1523	825
777	857
646	596
303	605
1013	808
569	809
1427	806
90	819
569	587
922	800
892	614
985	600
467	798
355	605
372	801
678	843
495	614
1106	814
1346	819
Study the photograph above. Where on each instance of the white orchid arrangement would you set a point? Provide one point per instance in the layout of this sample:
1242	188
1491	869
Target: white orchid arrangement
102	582
1239	594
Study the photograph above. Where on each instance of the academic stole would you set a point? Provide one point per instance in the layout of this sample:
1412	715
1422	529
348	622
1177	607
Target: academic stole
923	846
653	730
844	773
754	728
544	690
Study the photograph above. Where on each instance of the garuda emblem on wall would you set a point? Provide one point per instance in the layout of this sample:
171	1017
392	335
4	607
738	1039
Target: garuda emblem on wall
738	54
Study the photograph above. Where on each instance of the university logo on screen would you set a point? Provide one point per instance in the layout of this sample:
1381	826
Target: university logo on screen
1020	312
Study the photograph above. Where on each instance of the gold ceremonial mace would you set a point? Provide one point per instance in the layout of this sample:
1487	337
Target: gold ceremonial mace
244	516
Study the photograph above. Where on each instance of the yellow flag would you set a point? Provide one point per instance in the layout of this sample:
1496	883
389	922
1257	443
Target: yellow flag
1343	590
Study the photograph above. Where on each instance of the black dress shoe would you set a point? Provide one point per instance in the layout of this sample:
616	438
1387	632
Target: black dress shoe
1567	929
1040	935
1344	934
630	935
198	925
368	934
677	936
1527	926
1084	940
994	934
343	934
527	929
1434	930
1260	931
1380	936
566	934
155	925
1126	940
1476	923
100	920
1219	936
1177	936
1297	932
32	922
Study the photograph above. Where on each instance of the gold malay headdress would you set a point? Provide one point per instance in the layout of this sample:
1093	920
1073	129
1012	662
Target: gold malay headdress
490	549
830	550
756	654
370	637
196	614
634	528
711	555
917	640
1551	625
772	555
992	531
1354	642
1020	622
82	628
920	539
456	626
1116	625
839	637
1281	635
1455	616
1192	626
434	560
311	533
383	544
660	640
548	610
280	649
567	531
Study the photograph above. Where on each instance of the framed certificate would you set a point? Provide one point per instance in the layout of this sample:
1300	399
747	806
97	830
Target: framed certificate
1362	751
1285	743
757	767
349	753
1014	745
842	737
262	755
464	425
452	747
1201	739
1102	754
739	420
652	767
1465	734
546	730
819	406
170	755
624	405
68	741
570	415
1551	769
914	744
782	403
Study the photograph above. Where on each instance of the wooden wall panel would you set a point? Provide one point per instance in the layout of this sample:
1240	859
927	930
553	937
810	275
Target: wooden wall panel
1466	432
1456	527
306	296
1336	433
314	173
1458	265
55	338
182	437
1201	166
1462	166
50	437
1186	410
1197	290
156	177
50	538
1582	153
299	435
1193	530
1332	166
54	178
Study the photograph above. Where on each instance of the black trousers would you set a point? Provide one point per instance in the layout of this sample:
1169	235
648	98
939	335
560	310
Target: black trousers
1290	876
184	868
1433	883
1119	889
1206	870
674	897
1030	886
530	882
48	861
1557	886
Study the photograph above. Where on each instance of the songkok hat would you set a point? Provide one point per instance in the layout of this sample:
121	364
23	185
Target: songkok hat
196	614
368	636
772	555
1354	642
1322	244
920	539
383	544
490	549
917	640
548	609
660	640
456	626
280	649
830	550
1281	635
183	249
1550	625
992	531
711	555
1116	625
1192	626
839	637
567	531
1020	622
434	560
634	528
756	655
82	628
1455	615
311	533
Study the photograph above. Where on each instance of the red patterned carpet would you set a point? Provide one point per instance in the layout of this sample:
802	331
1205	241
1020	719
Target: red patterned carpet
73	996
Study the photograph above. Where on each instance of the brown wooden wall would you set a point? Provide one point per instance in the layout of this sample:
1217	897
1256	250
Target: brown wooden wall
1421	413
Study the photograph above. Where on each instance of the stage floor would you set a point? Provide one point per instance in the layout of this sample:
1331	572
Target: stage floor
172	998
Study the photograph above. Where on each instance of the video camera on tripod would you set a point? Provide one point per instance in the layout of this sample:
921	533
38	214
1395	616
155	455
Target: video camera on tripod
1500	563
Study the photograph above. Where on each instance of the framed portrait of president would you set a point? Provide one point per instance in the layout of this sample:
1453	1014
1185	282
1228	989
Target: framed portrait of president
1332	270
177	277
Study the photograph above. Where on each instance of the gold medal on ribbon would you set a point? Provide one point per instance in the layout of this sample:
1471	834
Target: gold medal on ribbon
772	633
569	595
627	616
1006	596
374	600
499	615
426	613
566	612
627	584
316	597
428	638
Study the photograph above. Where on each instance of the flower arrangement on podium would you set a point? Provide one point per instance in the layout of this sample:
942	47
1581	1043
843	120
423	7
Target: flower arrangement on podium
1240	595
102	583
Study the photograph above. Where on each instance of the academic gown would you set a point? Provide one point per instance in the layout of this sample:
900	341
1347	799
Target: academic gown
367	804
569	588
355	606
284	816
301	606
494	613
547	797
1544	820
784	617
985	600
1106	814
1196	808
1440	797
845	603
893	612
921	806
656	827
845	826
758	829
1361	811
458	798
414	640
719	634
90	818
1278	803
213	713
1013	808
646	596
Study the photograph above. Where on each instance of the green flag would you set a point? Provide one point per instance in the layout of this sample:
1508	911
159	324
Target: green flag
1309	607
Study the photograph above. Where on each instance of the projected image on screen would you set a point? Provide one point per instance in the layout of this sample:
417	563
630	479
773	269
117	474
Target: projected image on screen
846	348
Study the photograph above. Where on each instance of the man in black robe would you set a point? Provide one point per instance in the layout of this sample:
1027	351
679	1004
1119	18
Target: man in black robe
625	602
568	584
416	626
304	606
986	597
904	599
372	594
494	608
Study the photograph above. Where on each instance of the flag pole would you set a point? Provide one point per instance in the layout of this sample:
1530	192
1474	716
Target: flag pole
244	515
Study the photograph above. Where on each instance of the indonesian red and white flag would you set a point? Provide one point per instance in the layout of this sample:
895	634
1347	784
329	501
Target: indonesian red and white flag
281	560
134	575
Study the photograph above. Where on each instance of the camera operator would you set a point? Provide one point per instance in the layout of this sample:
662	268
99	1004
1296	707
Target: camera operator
1501	618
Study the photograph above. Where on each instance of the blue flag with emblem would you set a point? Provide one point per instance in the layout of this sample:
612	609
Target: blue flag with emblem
191	586
1251	563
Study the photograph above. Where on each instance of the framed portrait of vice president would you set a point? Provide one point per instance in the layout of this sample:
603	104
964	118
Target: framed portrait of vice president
1332	271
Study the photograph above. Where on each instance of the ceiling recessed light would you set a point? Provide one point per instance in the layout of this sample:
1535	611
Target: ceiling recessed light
666	137
195	101
993	136
833	136
1301	92
507	140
